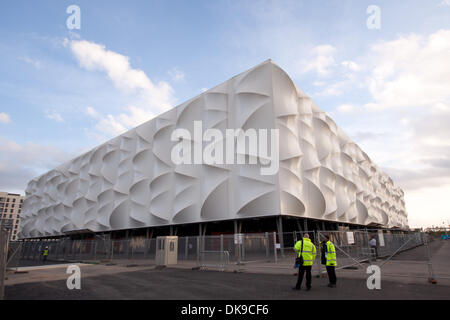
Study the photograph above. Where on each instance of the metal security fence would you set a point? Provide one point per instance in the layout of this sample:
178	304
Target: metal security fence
393	242
13	257
4	235
352	247
217	259
90	249
188	248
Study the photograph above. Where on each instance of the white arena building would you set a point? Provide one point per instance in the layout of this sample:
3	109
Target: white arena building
132	182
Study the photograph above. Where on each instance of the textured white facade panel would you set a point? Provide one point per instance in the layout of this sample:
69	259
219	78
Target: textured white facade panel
131	181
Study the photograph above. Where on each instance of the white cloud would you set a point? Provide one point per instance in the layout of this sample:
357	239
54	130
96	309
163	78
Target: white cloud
428	206
35	63
96	57
92	112
404	123
353	66
31	154
445	3
176	74
413	70
333	89
53	115
4	118
410	82
148	99
341	75
321	60
19	163
346	108
111	125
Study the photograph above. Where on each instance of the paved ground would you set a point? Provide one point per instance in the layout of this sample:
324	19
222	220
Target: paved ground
403	278
202	285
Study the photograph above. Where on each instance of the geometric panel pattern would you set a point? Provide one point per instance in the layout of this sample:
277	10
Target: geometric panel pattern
131	182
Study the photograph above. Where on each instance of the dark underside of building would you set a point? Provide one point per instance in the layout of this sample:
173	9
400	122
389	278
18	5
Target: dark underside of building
278	224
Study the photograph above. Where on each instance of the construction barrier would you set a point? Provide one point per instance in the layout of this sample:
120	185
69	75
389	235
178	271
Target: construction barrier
352	247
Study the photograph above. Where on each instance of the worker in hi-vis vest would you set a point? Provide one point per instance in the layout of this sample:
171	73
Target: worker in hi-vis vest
329	259
45	253
306	250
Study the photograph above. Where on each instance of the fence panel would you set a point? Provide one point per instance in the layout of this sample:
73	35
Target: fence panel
138	247
255	247
351	246
187	248
3	255
215	259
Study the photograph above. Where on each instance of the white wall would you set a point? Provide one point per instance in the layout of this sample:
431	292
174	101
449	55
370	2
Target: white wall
131	181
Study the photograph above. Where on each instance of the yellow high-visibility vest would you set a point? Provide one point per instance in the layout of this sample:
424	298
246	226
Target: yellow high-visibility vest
309	251
46	252
331	255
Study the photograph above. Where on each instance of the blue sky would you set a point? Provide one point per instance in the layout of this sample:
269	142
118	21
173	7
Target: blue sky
61	92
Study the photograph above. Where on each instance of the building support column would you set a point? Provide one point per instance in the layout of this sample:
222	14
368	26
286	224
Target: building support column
280	234
237	226
202	232
237	246
299	226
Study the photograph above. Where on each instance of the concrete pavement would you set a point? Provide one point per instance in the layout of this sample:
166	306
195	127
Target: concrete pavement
404	277
181	284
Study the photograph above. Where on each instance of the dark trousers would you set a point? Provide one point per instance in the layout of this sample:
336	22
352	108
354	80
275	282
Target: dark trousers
301	272
375	252
331	274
